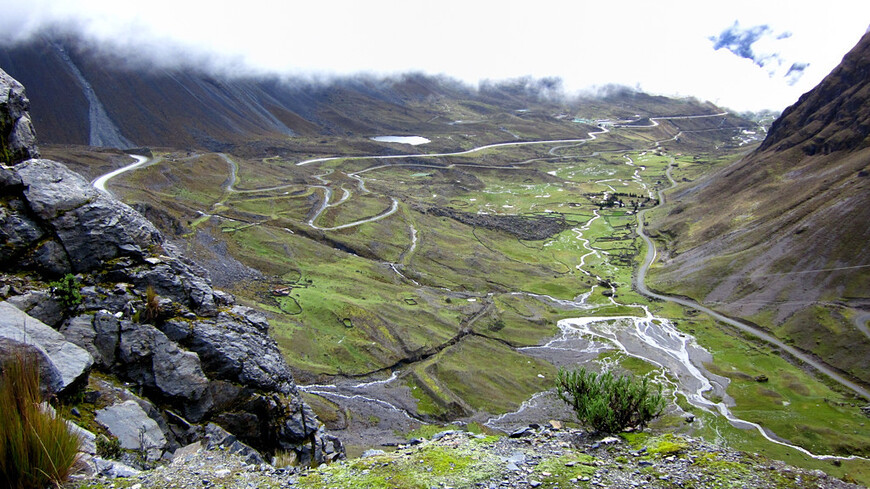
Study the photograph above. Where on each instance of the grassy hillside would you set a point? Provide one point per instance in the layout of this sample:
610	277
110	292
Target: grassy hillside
780	237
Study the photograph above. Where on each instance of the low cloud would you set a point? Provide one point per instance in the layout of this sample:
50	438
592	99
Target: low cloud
739	40
763	46
584	44
795	72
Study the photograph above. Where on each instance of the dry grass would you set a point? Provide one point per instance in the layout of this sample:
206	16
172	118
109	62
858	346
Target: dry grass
36	447
152	305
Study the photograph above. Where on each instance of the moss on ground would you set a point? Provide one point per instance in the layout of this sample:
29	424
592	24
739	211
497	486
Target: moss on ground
424	468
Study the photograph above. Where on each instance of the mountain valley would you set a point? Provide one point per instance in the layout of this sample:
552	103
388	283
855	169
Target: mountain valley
446	283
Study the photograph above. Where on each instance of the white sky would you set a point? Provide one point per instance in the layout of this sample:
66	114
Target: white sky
658	46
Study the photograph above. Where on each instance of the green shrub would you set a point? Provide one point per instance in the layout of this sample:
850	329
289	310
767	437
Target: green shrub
67	291
108	447
607	403
36	447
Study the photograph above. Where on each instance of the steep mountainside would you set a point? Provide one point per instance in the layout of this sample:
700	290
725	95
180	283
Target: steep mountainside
780	237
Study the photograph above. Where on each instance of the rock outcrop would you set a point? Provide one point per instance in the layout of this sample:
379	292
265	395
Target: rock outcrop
145	315
17	137
62	364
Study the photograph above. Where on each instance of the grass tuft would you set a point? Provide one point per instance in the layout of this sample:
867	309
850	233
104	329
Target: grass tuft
36	447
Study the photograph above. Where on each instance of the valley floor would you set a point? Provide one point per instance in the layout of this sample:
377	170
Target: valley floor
411	289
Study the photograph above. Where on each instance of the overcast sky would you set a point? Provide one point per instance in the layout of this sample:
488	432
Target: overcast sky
745	55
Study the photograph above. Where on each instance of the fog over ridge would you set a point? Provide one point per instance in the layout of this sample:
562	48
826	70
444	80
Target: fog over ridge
741	55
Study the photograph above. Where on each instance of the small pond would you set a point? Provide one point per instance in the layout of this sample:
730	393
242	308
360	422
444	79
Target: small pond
412	140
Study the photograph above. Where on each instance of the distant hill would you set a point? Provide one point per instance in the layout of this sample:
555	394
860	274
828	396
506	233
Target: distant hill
782	237
84	96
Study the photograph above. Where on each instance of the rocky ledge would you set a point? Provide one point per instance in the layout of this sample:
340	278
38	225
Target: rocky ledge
544	457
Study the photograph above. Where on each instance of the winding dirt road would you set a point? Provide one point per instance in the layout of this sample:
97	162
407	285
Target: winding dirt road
592	135
639	284
100	183
861	321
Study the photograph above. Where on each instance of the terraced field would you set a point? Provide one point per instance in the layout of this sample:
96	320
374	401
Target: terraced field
408	288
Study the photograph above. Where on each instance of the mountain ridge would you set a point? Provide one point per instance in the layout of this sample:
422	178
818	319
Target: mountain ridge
816	121
188	109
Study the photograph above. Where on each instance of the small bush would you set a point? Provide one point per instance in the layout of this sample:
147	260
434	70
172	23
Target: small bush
67	291
36	447
607	403
108	447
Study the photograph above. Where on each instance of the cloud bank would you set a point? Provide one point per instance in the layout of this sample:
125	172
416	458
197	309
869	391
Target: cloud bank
680	47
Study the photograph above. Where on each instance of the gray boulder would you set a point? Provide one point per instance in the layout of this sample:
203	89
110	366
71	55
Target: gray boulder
99	334
88	439
219	438
111	469
134	429
80	331
39	304
51	189
49	257
91	227
174	279
17	230
252	316
144	355
16	129
178	373
62	363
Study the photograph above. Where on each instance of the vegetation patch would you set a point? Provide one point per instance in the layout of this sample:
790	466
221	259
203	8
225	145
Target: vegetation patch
609	403
666	445
36	447
565	470
427	467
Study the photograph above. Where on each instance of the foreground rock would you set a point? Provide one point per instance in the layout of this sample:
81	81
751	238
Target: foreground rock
133	428
137	311
188	348
61	363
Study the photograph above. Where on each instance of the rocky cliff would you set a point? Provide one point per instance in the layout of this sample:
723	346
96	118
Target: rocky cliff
193	364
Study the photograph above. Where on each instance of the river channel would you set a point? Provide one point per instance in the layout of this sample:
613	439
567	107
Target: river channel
375	410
